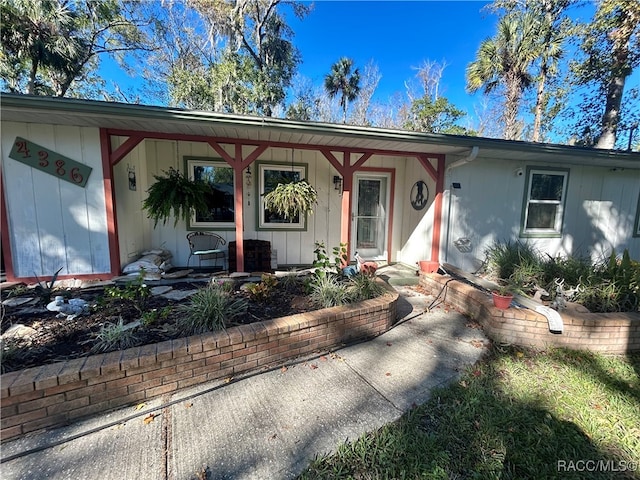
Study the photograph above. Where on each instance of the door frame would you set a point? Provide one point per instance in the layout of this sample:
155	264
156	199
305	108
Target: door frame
390	174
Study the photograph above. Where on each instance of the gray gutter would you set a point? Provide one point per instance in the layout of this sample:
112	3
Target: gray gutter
100	108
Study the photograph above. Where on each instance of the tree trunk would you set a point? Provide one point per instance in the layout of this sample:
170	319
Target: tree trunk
511	106
31	87
620	70
611	117
537	121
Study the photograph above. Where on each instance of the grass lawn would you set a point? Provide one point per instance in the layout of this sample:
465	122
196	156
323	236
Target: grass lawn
517	414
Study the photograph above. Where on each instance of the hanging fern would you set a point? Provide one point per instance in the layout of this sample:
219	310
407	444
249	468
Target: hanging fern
175	193
291	199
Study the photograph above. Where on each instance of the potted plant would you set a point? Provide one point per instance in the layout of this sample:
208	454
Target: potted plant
175	194
502	295
292	199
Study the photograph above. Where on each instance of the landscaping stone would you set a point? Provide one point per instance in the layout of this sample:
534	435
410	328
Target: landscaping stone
160	290
17	301
18	331
178	273
239	275
179	294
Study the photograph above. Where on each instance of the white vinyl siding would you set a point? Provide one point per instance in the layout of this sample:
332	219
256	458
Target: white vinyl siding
54	224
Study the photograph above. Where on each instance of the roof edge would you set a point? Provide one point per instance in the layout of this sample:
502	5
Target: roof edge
98	107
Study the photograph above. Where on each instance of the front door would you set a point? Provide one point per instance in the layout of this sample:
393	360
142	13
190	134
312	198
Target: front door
370	215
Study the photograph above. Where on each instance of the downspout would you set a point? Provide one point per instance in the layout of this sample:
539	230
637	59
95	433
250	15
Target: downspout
458	163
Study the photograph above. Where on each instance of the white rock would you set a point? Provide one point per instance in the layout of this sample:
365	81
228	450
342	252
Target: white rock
18	331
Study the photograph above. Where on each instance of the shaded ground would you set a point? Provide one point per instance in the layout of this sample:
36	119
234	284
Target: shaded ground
55	339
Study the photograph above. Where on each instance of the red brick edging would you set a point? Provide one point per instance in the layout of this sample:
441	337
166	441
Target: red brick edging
56	394
614	333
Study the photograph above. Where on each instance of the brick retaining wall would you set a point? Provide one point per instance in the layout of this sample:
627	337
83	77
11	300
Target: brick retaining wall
613	333
56	394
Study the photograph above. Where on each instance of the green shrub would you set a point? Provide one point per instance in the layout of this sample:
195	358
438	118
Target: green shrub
331	291
609	286
136	293
502	258
152	316
613	286
362	287
115	336
574	270
324	263
327	291
210	309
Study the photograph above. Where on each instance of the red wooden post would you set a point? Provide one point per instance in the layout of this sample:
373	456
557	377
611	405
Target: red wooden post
110	198
437	214
238	215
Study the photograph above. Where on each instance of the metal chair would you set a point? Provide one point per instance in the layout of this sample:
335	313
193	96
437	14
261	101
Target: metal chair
206	246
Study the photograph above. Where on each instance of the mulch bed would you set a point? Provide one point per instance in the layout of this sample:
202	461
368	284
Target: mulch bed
57	339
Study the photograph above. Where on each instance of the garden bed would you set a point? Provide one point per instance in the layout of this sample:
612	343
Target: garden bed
613	333
60	392
54	339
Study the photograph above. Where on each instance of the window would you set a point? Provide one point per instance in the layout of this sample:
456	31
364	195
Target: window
270	175
544	202
220	200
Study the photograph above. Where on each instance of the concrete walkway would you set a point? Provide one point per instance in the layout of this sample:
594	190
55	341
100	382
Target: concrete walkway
268	425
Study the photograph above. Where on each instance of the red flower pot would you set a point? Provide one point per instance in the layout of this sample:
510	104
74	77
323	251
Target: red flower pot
501	301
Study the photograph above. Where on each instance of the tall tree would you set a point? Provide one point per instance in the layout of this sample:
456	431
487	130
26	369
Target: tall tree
611	45
431	112
555	29
343	81
305	104
439	116
363	103
257	48
504	62
50	47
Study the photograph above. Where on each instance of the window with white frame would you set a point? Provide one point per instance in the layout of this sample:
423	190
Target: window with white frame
544	202
270	175
220	200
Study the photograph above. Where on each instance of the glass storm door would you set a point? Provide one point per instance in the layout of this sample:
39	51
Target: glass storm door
370	212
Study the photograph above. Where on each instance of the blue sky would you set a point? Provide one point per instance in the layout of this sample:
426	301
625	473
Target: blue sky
398	36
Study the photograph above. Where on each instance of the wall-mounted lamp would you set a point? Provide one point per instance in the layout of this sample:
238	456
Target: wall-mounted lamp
337	183
247	176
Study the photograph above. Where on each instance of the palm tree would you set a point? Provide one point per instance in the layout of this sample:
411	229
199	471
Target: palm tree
340	79
554	30
35	38
504	61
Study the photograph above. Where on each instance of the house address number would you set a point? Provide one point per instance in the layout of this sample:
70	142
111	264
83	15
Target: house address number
48	161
